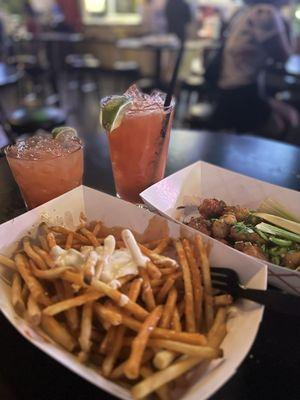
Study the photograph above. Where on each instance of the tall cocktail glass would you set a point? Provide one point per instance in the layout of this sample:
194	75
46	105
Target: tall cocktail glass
139	145
45	168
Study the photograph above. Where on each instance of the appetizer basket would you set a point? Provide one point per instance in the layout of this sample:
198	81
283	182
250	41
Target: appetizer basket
66	210
201	180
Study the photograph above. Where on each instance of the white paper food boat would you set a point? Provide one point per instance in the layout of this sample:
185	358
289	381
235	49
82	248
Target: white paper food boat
113	212
202	180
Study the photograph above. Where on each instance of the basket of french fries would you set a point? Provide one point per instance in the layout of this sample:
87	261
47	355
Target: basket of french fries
125	298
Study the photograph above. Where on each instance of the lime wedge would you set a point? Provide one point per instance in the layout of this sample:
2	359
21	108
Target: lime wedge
62	132
112	112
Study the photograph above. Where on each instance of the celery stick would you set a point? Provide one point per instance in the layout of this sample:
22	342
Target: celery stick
273	230
280	242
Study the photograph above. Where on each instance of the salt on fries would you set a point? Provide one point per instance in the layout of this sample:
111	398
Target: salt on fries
148	326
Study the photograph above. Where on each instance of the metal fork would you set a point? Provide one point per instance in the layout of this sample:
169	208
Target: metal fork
227	280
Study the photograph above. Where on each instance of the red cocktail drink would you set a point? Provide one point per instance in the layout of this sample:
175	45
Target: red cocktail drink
139	145
45	168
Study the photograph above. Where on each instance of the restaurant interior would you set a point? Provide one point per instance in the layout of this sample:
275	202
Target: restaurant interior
230	74
54	53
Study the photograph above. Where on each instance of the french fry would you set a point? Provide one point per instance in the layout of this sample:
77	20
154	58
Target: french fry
176	323
80	238
223	300
220	319
125	279
151	244
72	313
189	295
73	302
166	271
158	259
97	228
180	307
107	314
205	268
176	275
160	333
163	391
83	219
147	290
51	240
33	284
43	228
111	357
59	289
168	310
91	237
153	271
196	279
108	341
48	274
33	255
44	255
86	327
25	293
75	278
89	267
135	289
58	332
7	262
118	372
43	241
206	352
69	240
139	312
160	378
164	358
162	294
155	283
133	365
33	314
162	245
218	336
16	294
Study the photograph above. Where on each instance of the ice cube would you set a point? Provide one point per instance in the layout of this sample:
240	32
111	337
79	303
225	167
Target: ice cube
134	92
145	101
43	148
158	97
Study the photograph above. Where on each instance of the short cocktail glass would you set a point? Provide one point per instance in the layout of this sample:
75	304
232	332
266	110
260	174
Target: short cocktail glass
45	168
139	145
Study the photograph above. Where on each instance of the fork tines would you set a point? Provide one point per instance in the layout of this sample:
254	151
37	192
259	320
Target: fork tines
224	279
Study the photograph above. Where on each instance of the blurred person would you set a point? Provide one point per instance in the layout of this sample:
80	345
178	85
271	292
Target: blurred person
211	20
2	37
31	18
153	16
71	14
256	34
148	17
178	16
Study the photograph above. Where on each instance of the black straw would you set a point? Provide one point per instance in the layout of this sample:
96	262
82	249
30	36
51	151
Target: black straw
171	91
167	103
174	76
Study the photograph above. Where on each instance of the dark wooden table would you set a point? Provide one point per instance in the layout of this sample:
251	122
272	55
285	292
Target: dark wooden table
271	369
